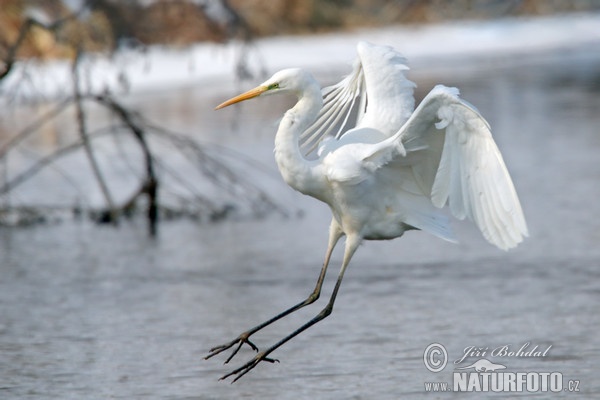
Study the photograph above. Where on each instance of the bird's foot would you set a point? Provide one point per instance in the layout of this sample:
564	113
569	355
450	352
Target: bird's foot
244	369
243	338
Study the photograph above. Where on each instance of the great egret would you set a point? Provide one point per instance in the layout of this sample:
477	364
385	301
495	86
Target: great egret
391	172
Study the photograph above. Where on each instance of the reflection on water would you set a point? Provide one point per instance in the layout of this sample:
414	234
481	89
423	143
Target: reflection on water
97	312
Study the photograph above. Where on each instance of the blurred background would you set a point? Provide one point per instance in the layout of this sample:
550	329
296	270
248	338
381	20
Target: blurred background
105	25
139	228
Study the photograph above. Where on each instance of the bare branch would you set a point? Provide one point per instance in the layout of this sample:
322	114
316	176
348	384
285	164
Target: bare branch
34	126
81	122
11	56
150	186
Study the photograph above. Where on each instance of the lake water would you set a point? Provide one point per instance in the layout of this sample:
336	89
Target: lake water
96	312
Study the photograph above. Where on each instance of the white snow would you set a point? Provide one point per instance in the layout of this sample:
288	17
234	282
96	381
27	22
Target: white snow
213	65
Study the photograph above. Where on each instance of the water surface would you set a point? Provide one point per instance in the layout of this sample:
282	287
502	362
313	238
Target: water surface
96	312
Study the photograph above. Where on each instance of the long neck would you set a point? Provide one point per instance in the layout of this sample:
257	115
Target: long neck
297	171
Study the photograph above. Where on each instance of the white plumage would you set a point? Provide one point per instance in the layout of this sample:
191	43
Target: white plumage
384	167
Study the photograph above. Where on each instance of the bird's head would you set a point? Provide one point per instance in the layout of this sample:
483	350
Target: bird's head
291	80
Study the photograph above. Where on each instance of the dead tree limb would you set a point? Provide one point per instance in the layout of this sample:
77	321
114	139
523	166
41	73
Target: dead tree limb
34	127
81	124
11	54
39	165
150	186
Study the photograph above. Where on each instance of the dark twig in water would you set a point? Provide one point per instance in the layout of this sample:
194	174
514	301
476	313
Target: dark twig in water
150	185
81	124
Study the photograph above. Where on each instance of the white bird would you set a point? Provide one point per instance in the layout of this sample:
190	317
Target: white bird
392	171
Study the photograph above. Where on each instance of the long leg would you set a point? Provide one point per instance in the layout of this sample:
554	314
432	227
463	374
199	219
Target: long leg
352	242
335	233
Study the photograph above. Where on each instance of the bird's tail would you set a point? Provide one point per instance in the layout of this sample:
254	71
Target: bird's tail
423	215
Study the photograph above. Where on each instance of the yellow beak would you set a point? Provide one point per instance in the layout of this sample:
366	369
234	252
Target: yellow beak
257	91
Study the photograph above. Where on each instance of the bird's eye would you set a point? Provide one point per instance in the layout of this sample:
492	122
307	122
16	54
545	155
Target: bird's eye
273	86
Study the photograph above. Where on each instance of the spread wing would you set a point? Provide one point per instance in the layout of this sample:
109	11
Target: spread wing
375	95
449	149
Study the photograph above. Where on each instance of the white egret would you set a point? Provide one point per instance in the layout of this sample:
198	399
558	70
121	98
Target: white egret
392	171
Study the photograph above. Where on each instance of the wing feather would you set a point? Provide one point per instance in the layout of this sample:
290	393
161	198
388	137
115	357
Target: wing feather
338	102
461	166
376	94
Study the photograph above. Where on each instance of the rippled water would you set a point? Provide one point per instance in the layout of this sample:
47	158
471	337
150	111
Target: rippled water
99	312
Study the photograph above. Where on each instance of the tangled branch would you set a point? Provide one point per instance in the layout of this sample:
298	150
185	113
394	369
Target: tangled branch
153	184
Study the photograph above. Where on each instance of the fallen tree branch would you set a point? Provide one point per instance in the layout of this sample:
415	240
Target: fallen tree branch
34	126
81	124
150	186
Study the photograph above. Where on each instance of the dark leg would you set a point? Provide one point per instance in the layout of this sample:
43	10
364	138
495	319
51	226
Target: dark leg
352	243
334	235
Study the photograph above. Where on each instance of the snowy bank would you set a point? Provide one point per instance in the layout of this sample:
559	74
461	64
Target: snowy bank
213	66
